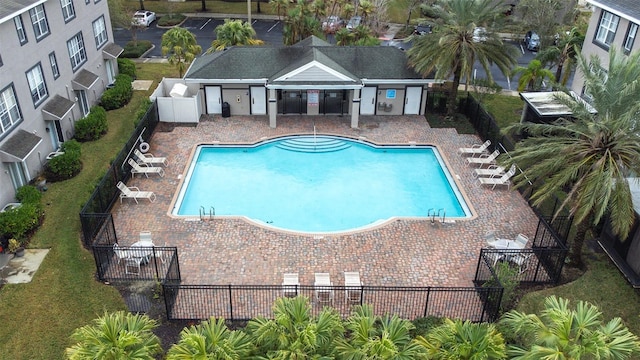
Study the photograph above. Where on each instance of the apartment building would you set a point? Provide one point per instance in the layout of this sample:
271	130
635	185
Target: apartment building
614	23
56	59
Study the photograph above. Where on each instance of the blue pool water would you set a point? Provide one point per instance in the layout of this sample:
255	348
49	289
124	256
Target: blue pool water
319	184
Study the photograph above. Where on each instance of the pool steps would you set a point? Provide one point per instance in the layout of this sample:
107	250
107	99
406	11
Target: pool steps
317	144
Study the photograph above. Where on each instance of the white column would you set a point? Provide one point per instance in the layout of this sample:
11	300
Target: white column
273	107
355	108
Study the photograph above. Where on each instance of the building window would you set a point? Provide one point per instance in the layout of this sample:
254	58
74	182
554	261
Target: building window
36	84
39	21
22	34
68	12
9	110
99	32
1	63
607	28
630	38
87	2
77	54
54	65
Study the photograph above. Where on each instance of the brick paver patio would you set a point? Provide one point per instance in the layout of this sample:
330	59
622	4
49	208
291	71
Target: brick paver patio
400	253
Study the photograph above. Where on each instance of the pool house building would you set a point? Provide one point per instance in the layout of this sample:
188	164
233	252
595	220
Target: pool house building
311	77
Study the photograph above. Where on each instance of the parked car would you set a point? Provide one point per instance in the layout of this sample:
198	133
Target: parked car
354	22
479	34
332	24
531	41
422	29
144	18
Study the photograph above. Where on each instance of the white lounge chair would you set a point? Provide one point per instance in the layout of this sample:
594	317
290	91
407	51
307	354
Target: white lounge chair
144	169
483	159
492	170
323	288
476	149
150	159
353	287
519	243
145	239
290	285
134	193
502	180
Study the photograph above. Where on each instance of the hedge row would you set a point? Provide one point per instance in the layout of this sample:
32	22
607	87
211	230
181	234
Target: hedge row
119	95
92	126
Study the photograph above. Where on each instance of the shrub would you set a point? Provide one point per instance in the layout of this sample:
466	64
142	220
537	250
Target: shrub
171	20
425	324
16	223
128	67
142	110
119	95
92	126
28	195
135	50
67	165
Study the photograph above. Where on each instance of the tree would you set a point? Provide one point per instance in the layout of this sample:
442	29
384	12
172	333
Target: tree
118	335
563	333
542	17
460	340
293	333
590	155
452	50
563	55
300	23
279	6
234	33
532	77
181	46
372	337
122	16
211	339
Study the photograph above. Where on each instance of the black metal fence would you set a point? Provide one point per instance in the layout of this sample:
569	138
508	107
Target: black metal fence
92	215
243	302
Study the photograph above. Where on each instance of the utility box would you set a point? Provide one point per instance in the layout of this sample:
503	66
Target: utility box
226	109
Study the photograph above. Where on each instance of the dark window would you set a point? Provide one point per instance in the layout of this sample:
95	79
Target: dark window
39	21
22	34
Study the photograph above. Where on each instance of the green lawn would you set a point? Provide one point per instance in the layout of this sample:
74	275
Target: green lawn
37	318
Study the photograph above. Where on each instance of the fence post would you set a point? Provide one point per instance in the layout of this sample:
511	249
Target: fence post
426	303
230	302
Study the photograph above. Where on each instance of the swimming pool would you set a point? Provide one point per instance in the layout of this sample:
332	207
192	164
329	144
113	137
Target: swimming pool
319	184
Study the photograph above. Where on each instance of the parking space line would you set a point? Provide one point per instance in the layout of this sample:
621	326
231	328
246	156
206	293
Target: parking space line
274	25
205	24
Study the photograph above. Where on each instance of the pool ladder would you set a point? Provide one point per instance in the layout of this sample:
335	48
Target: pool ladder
433	214
203	213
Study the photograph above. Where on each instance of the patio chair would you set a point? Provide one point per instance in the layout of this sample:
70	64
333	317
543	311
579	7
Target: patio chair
353	287
144	169
134	193
483	159
476	149
521	241
132	265
120	252
145	238
150	159
522	260
323	288
290	285
502	180
492	170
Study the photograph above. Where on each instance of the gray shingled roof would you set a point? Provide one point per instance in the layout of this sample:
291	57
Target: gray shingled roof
85	79
57	107
261	62
627	8
10	7
20	144
111	49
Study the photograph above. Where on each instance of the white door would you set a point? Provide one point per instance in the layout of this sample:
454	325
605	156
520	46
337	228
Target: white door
83	102
368	100
213	95
111	74
258	100
412	100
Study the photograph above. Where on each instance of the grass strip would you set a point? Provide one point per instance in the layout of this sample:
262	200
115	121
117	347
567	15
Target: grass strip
37	318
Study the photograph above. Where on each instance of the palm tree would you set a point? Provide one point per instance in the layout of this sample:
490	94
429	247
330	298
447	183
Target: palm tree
464	341
372	337
563	55
591	154
344	37
366	9
234	33
300	23
279	6
181	46
532	77
293	333
211	339
452	50
563	333
319	9
119	335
